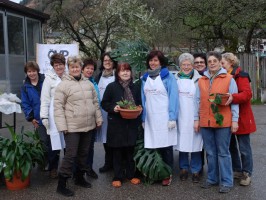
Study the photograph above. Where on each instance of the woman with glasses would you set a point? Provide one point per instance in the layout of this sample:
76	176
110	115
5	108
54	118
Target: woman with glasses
106	76
187	140
216	136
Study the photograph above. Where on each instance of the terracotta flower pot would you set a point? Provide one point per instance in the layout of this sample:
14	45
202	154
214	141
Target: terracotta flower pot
16	183
224	98
130	114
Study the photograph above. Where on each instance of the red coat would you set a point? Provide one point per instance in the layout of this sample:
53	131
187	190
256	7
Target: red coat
246	120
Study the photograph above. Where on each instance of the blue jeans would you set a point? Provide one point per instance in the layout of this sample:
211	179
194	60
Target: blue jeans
195	161
216	143
244	164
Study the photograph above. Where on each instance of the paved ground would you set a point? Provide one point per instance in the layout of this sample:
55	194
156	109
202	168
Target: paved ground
42	187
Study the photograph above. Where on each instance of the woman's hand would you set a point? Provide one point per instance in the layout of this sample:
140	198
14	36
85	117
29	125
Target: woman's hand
99	124
230	99
116	108
234	127
35	123
196	126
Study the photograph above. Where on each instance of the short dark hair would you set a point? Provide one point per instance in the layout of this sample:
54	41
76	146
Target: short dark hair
201	55
216	54
123	66
31	65
159	54
109	55
88	61
57	58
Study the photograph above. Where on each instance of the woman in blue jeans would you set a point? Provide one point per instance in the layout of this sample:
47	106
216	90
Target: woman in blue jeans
216	136
240	141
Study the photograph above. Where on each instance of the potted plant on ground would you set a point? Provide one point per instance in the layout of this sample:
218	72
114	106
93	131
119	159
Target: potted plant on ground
128	110
18	155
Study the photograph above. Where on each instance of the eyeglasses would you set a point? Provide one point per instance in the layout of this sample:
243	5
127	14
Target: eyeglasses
107	61
200	62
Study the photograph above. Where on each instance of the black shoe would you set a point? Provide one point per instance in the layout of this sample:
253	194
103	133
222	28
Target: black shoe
183	175
105	168
91	173
224	189
61	187
80	180
195	177
207	185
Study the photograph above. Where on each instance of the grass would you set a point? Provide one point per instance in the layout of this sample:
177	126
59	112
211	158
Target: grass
256	102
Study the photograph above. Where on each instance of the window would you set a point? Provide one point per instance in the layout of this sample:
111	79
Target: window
15	35
33	36
2	44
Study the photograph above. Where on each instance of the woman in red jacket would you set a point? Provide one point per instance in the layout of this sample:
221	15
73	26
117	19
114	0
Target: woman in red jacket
242	167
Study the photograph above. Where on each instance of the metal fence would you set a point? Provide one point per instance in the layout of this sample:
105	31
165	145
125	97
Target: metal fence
257	72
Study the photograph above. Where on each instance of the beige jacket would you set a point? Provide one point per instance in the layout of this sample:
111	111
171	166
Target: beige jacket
76	107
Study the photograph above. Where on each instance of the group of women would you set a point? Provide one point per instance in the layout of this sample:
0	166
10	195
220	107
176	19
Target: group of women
75	111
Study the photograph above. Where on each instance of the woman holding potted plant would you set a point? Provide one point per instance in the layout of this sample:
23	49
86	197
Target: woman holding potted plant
77	113
216	136
160	104
187	140
240	140
55	138
106	76
122	133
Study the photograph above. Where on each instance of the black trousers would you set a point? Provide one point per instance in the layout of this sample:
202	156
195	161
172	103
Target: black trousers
123	159
77	148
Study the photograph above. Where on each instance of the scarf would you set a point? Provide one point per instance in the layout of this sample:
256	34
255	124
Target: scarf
127	92
107	74
214	75
154	73
182	75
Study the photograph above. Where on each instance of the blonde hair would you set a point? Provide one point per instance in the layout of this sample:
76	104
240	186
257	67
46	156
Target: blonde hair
231	58
73	60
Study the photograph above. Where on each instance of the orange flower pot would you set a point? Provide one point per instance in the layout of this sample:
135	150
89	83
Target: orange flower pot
130	114
16	183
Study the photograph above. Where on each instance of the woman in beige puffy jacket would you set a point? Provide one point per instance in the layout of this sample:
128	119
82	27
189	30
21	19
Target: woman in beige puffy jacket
77	113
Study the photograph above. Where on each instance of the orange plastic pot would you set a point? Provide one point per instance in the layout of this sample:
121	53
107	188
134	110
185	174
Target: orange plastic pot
130	114
16	183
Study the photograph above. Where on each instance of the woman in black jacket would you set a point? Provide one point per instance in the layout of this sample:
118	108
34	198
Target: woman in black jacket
122	133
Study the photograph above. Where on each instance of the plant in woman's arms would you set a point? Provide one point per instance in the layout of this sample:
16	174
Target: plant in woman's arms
125	104
216	101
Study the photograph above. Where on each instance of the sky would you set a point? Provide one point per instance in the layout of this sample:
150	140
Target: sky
17	1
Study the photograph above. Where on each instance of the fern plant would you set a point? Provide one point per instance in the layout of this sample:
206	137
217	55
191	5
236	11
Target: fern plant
217	100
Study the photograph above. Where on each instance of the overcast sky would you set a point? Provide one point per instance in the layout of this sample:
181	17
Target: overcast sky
17	1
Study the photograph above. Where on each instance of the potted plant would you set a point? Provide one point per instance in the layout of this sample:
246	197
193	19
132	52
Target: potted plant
128	110
18	155
217	100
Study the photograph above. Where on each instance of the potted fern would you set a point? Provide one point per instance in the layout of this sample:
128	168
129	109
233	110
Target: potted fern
18	155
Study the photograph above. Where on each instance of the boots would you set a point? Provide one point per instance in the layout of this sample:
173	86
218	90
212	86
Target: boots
80	180
61	187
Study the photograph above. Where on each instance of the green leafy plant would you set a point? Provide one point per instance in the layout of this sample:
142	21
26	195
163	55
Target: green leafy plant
20	153
217	100
149	162
125	104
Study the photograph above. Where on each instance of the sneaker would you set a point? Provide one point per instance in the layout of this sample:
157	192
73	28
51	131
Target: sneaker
245	180
207	185
195	177
183	175
167	181
53	174
91	173
224	189
238	175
